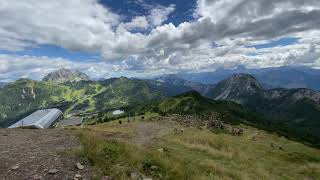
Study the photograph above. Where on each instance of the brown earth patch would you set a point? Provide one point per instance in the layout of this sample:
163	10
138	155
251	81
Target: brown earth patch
40	154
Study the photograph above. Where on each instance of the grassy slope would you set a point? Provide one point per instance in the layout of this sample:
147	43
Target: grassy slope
18	99
198	154
88	90
123	92
194	103
25	96
294	118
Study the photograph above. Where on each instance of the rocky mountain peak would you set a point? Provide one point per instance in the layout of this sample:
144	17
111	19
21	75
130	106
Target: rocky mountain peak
236	87
246	81
63	75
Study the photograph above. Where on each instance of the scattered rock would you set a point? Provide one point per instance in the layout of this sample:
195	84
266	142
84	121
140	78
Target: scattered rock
272	145
178	131
161	150
53	171
135	176
216	124
14	167
154	168
237	131
36	177
78	176
107	178
80	166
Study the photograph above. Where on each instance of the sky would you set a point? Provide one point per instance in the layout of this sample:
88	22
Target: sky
142	38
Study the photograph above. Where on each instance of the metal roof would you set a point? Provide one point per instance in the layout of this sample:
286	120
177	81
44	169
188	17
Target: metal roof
40	119
71	121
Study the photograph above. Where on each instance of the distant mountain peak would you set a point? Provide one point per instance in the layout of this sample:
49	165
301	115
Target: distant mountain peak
2	84
176	80
171	78
243	76
63	75
236	87
243	82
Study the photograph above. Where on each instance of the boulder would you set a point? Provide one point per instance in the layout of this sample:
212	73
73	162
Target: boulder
80	166
53	171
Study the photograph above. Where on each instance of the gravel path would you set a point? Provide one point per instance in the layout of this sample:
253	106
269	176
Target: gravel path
40	154
148	132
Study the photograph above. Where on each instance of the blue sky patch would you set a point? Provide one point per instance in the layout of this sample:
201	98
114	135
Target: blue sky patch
129	9
53	51
280	42
215	45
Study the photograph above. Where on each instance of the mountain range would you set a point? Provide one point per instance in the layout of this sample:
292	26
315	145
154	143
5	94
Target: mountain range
175	80
294	110
2	84
74	93
280	77
192	102
291	112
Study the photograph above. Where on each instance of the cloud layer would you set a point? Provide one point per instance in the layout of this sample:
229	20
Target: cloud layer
220	36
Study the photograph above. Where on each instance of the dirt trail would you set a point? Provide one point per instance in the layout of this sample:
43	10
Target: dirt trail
32	154
148	132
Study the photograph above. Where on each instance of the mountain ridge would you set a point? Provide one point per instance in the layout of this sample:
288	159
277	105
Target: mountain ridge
270	78
75	97
175	80
295	110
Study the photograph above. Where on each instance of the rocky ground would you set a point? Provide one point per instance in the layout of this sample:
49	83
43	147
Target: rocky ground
40	154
